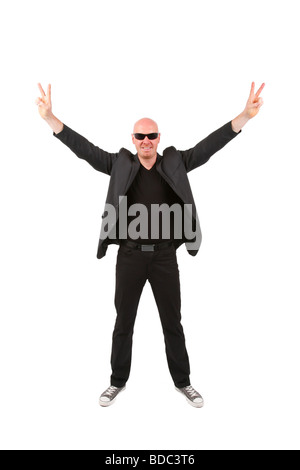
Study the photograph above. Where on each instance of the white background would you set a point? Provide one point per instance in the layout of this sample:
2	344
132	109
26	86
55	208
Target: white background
188	65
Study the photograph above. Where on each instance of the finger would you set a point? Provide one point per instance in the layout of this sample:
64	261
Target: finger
49	92
41	90
259	90
252	90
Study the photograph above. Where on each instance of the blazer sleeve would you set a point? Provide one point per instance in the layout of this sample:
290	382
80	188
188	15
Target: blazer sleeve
202	152
96	157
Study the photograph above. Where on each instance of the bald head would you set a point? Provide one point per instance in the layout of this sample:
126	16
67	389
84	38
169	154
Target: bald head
146	148
145	126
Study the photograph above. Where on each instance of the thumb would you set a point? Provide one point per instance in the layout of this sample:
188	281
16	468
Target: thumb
259	103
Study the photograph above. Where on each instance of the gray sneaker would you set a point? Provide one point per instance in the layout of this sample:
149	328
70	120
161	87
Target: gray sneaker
109	396
193	397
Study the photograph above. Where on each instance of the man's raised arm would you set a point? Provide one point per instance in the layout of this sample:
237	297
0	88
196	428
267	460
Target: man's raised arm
202	152
96	157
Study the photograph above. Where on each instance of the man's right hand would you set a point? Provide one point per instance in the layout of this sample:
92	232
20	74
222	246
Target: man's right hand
45	110
44	102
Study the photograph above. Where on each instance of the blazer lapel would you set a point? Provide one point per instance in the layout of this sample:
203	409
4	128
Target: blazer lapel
134	169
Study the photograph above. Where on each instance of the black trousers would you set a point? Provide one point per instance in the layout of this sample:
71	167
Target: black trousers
133	269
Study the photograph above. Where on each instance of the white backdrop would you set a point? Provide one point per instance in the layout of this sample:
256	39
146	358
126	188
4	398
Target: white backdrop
188	65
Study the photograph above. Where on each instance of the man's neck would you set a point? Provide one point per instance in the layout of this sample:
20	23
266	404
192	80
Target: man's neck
148	162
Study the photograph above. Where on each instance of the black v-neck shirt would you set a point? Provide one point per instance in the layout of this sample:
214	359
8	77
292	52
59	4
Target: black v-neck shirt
150	188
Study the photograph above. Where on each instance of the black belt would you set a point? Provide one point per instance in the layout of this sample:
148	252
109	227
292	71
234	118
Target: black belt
150	247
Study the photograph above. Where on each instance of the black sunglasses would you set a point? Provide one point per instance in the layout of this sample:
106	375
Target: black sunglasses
152	136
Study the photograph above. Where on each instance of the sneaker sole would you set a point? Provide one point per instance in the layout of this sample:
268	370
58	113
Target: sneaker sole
111	402
195	405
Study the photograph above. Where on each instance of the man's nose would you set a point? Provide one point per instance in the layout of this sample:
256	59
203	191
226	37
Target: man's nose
146	139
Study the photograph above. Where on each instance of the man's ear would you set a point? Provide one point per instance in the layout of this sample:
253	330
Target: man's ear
132	136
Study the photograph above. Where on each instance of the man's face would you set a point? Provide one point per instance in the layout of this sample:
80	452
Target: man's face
146	148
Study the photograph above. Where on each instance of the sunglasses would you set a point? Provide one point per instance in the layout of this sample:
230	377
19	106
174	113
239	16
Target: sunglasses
152	136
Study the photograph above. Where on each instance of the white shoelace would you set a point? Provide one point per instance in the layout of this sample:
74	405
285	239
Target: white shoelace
192	392
111	390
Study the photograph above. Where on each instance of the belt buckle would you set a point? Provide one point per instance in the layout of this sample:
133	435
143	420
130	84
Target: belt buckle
147	247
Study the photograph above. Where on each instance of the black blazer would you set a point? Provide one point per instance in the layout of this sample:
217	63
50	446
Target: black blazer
173	166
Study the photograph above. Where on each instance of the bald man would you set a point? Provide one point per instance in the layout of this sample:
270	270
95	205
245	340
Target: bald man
149	213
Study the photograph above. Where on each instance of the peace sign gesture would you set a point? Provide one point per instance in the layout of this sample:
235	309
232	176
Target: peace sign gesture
44	102
254	102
